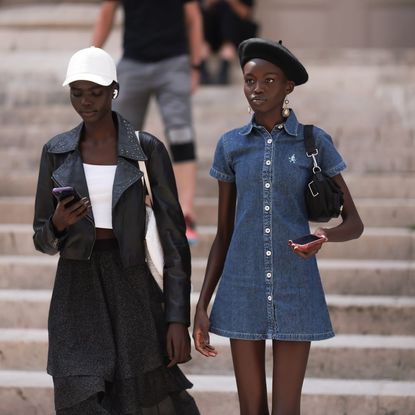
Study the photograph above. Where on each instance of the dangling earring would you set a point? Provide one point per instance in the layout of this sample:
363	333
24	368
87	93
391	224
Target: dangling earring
249	109
285	110
115	94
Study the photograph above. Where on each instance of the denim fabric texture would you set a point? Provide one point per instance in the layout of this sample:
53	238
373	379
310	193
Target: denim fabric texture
266	291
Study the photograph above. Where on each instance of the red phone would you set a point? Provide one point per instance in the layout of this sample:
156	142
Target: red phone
62	192
307	241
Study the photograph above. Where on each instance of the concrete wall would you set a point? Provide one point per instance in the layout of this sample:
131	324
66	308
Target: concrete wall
339	23
324	24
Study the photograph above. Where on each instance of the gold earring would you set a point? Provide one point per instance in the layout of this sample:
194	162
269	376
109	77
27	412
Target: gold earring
285	110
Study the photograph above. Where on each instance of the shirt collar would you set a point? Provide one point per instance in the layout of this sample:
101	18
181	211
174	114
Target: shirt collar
290	126
128	144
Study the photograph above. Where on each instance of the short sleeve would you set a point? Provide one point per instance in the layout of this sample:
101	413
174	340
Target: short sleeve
329	159
222	168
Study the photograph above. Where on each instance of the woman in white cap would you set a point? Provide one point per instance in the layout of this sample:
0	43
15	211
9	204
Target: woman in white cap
267	290
115	338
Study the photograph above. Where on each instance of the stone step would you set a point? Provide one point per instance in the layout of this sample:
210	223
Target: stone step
28	103
375	243
401	157
383	186
49	24
388	185
379	212
349	314
30	393
344	356
348	277
42	127
375	212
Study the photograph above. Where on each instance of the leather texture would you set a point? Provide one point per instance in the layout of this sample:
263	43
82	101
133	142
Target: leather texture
61	165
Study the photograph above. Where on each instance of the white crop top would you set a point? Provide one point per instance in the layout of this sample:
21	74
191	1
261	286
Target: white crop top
100	179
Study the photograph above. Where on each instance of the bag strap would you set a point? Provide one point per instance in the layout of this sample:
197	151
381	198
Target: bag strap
143	168
310	146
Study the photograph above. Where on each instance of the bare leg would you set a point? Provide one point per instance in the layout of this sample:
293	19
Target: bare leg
249	366
227	51
290	362
185	173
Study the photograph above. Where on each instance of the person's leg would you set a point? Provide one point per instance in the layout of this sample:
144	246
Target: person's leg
135	91
212	41
249	365
185	173
174	98
290	362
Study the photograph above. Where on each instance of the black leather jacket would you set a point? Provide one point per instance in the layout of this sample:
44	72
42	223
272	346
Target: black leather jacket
61	165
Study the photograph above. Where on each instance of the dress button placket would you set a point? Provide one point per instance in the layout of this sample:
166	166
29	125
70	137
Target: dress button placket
267	228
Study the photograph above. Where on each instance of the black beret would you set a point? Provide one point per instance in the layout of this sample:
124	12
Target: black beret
275	53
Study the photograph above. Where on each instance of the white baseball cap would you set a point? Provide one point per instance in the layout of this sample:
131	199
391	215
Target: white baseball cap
91	64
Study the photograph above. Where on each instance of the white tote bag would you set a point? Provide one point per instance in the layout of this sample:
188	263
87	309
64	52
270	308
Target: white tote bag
153	248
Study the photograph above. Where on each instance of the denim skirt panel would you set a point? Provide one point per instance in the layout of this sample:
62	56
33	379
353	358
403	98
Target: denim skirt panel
290	307
265	290
107	336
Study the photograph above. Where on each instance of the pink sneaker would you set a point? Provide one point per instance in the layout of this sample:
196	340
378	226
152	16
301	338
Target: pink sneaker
191	234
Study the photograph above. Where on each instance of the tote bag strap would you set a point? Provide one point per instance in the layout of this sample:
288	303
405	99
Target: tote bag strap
143	168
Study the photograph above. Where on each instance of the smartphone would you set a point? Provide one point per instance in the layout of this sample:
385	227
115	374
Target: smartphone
307	241
62	192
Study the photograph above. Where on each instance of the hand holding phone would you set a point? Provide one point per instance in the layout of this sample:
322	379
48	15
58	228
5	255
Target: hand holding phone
68	213
63	192
307	245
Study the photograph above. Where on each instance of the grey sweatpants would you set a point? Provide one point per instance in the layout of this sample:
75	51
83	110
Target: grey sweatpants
169	82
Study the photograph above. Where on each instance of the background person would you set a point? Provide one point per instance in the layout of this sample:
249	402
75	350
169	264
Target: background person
226	23
161	58
114	338
267	289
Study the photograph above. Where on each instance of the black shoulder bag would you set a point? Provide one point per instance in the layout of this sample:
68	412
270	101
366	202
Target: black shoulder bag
323	196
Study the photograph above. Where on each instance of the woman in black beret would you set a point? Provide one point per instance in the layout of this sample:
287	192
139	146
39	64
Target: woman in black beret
267	290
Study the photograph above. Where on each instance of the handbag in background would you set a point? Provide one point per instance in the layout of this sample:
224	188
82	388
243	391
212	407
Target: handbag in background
323	196
153	248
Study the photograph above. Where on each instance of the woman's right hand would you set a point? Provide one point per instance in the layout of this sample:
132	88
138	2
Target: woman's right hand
201	334
65	215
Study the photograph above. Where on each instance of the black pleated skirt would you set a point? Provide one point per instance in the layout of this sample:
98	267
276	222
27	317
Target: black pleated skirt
107	348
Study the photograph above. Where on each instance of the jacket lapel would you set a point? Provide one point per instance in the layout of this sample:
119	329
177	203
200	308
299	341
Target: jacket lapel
126	175
71	171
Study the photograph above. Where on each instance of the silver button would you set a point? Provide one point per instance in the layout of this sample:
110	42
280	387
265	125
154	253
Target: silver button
267	208
269	298
267	185
280	127
269	141
268	253
267	230
268	162
269	275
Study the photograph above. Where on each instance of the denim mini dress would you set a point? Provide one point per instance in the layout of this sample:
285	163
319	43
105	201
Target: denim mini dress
265	290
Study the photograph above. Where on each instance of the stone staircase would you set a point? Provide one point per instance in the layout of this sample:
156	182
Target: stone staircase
369	367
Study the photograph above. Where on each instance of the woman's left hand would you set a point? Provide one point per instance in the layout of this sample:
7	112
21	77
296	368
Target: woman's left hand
313	250
178	344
